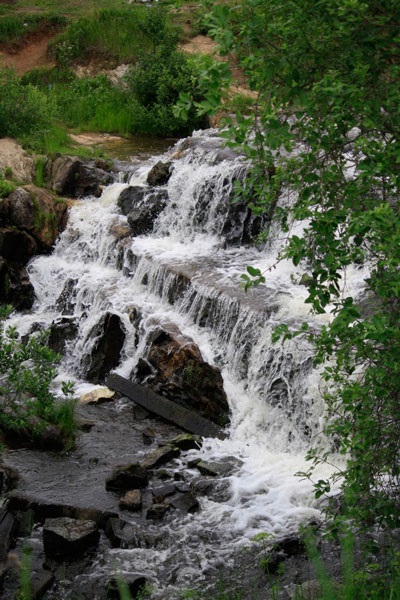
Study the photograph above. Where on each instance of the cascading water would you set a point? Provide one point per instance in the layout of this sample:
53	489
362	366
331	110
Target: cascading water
187	272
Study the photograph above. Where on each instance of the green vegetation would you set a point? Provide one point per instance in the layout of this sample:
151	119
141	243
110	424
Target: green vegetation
39	107
15	28
27	370
327	75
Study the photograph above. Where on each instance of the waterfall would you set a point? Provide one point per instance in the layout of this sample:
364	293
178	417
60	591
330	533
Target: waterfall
187	271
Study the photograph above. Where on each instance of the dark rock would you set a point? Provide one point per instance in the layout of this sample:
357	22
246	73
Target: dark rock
44	509
66	300
215	490
62	331
41	582
37	434
186	441
131	477
15	287
106	352
131	197
181	374
148	435
162	491
8	478
17	246
124	535
68	538
160	456
70	176
7	528
157	512
291	546
159	174
132	500
142	216
35	210
134	583
214	468
185	503
25	520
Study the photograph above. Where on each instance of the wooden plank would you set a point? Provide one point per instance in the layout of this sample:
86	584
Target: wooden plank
172	412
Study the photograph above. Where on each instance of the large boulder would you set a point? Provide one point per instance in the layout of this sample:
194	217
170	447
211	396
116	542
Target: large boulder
15	287
73	177
176	370
159	174
35	210
68	538
14	158
142	206
106	352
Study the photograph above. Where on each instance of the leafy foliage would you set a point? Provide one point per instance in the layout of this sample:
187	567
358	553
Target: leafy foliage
327	125
27	370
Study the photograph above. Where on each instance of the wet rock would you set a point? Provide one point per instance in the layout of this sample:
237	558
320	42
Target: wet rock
159	174
160	456
127	478
125	535
291	546
15	287
8	478
214	468
162	491
37	434
132	500
44	509
62	331
35	210
157	512
185	503
97	396
106	352
142	216
70	176
66	300
215	490
186	441
130	198
134	583
24	520
181	374
17	246
68	538
41	581
7	528
148	436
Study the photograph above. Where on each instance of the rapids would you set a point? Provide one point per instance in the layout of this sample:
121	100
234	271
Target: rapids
274	392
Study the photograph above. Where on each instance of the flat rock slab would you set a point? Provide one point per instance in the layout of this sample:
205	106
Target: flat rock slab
67	538
172	412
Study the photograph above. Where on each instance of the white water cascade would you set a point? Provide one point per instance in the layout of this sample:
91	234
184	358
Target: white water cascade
185	272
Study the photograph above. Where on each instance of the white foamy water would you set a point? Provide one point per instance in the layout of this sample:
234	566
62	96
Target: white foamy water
273	391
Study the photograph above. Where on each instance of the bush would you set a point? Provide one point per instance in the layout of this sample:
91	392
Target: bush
26	373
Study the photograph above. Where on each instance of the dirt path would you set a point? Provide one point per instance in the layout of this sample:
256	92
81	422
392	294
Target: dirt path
31	56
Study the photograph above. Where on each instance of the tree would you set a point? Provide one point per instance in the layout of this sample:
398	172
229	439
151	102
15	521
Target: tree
326	124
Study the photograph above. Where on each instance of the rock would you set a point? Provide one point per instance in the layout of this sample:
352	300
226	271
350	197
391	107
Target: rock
148	436
134	583
181	374
142	216
215	490
185	503
162	491
159	174
36	434
68	538
35	210
66	301
132	500
131	197
124	535
41	582
17	246
72	177
157	511
291	546
15	287
44	509
308	590
186	441
7	527
62	331
8	478
126	478
160	456
106	352
215	468
97	396
14	157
